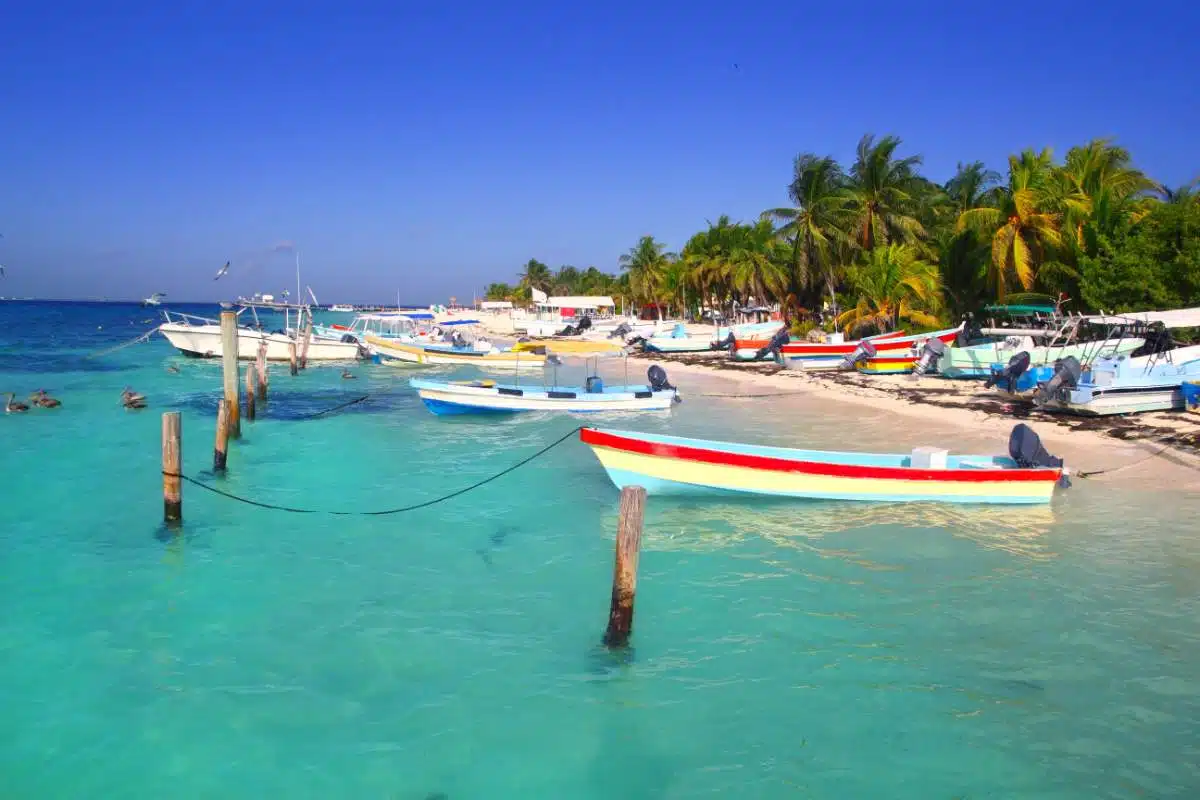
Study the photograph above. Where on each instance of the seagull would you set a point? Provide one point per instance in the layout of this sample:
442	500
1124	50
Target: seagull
222	271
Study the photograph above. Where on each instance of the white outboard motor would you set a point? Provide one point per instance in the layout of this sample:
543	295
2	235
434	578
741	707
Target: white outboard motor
864	350
1015	369
930	353
1066	377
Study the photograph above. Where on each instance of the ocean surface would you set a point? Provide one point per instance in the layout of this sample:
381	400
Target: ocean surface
780	650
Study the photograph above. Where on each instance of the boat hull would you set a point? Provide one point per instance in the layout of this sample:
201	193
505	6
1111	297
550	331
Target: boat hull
820	356
204	341
476	398
671	466
979	361
394	353
886	365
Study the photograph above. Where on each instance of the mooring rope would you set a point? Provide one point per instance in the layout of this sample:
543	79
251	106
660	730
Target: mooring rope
1156	453
143	337
414	507
338	407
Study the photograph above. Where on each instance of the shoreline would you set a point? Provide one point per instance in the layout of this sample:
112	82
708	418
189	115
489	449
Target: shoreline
1157	448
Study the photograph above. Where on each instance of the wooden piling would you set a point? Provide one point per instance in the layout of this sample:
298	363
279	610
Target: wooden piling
221	447
292	366
260	366
172	467
229	363
624	585
251	395
308	332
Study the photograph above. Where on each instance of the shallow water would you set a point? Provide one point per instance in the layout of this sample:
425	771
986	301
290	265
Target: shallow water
780	649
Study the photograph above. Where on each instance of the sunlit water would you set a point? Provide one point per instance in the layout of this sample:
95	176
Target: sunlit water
780	649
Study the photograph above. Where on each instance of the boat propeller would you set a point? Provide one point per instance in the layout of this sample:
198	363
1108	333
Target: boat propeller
1015	369
933	350
1067	372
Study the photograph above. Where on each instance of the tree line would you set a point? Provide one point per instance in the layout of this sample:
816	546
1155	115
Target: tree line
876	242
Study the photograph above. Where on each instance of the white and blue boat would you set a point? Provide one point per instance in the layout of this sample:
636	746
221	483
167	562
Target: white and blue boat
488	397
1121	384
679	341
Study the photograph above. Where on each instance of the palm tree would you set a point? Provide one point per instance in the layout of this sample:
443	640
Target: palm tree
498	291
567	280
1180	195
1021	227
646	264
880	195
1098	186
962	253
536	275
757	269
816	221
893	283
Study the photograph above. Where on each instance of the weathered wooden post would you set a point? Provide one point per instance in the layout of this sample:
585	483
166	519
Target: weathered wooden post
172	467
293	368
221	447
229	363
624	585
250	393
260	364
308	326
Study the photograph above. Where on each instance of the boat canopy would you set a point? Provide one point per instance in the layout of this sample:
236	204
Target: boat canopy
1025	303
1176	318
577	302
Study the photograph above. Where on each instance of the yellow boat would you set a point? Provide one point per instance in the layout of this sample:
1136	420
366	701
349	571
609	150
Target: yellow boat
397	353
573	347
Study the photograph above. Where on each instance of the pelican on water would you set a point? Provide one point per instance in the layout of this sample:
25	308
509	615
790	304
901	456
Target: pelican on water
40	398
11	406
131	399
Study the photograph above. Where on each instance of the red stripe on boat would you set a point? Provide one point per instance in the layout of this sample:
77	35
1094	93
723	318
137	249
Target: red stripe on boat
818	349
772	464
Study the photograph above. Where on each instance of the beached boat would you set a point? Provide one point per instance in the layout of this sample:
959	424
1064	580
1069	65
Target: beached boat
844	355
680	341
674	465
573	347
391	352
889	364
1121	385
982	360
754	340
489	397
200	337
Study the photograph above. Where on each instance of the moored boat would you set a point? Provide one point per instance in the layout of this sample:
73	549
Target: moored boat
200	337
398	353
484	397
674	465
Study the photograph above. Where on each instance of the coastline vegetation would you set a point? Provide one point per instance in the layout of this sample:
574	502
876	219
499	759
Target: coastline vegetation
875	242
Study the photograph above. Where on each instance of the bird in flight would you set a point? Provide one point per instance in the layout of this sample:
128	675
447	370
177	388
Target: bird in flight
222	271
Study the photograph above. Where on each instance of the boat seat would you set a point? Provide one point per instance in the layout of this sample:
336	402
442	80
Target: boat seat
513	392
562	395
643	395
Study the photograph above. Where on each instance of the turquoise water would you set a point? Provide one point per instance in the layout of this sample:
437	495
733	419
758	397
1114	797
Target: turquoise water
780	650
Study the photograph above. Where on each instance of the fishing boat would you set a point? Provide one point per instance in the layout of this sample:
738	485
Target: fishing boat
674	465
584	348
1120	384
391	352
155	299
755	340
200	337
489	397
342	308
844	355
888	364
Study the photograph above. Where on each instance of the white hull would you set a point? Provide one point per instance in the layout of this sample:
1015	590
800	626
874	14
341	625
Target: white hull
204	341
1127	402
446	398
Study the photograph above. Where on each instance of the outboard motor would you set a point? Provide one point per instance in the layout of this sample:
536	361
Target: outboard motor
593	385
635	341
780	338
621	331
459	340
964	334
727	344
567	331
930	353
1025	448
583	324
1158	340
864	350
349	338
1015	369
658	381
1066	376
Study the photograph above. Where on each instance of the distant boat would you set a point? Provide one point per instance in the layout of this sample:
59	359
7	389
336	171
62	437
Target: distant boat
154	299
343	308
675	466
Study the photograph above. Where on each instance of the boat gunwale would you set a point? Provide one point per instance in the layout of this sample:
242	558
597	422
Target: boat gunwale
695	451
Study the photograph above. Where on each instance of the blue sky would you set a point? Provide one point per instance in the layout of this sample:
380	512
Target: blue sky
435	147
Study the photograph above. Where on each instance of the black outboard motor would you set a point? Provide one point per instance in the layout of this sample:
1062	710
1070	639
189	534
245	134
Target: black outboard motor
1066	377
964	334
1158	340
567	331
1015	369
780	338
583	324
1026	449
727	344
658	381
621	331
864	350
637	341
930	353
349	338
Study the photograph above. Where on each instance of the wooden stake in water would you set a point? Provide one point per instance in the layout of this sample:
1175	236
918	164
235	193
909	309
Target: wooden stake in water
308	332
172	467
221	446
251	395
292	358
260	364
229	363
624	585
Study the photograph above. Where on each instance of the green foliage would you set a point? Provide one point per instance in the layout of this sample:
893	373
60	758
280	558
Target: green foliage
879	238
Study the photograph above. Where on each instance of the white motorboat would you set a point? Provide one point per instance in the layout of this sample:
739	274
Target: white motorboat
200	337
